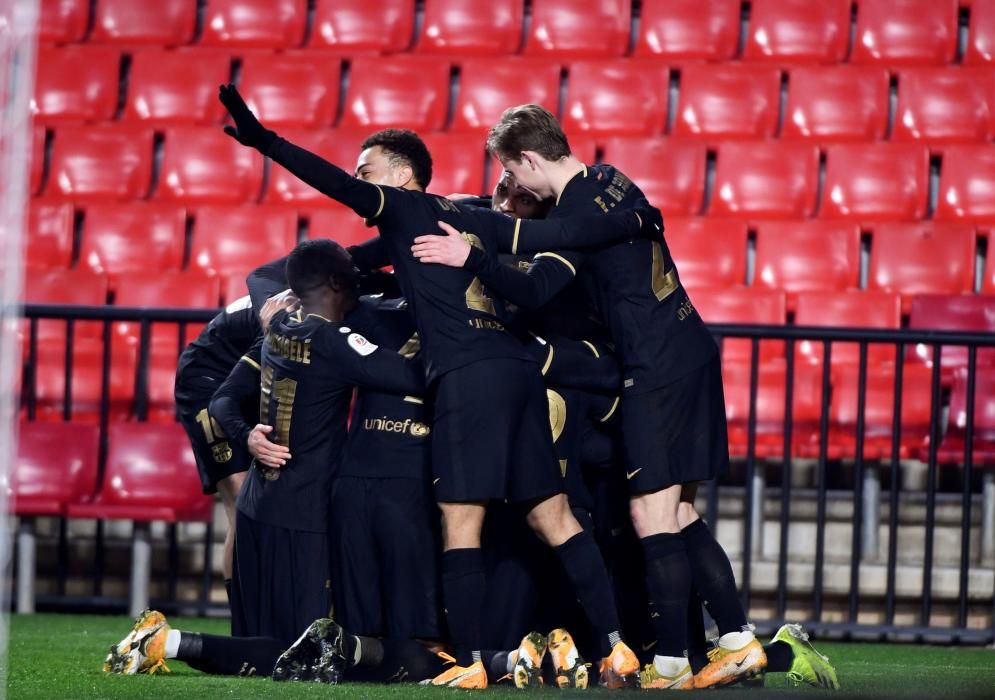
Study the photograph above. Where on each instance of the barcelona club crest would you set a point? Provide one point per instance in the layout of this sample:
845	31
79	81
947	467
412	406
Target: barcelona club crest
222	452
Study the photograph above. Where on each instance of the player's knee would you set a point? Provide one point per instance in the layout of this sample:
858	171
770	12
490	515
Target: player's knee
552	521
461	526
652	519
686	514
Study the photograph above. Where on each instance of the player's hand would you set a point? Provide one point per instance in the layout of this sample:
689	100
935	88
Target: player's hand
285	300
248	131
266	452
451	249
457	196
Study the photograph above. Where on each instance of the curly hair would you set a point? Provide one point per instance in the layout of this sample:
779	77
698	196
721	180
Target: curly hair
404	147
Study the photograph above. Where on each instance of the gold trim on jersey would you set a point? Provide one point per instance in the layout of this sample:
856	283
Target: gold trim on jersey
664	284
549	360
573	270
249	361
413	399
321	317
611	411
514	239
593	349
383	200
557	413
411	347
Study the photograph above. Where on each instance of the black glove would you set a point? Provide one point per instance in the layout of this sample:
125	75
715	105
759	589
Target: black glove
248	131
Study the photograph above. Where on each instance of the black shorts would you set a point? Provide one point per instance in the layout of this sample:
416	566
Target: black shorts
280	580
217	457
676	434
385	553
491	438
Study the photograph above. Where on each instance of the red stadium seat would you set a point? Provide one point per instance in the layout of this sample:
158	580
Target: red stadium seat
87	357
802	256
300	89
488	87
988	276
237	239
875	182
119	239
765	180
847	309
338	146
150	475
923	258
410	92
62	21
961	312
616	97
106	163
951	450
981	33
50	234
798	31
204	165
457	163
270	24
358	25
176	87
56	465
472	27
79	286
670	172
731	100
161	23
37	159
709	252
689	29
233	288
583	146
579	28
341	225
747	305
76	83
896	32
967	184
841	103
945	104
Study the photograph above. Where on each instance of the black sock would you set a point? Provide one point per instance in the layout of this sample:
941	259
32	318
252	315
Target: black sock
697	643
586	570
228	590
230	656
371	651
779	657
497	665
712	576
668	580
401	660
463	584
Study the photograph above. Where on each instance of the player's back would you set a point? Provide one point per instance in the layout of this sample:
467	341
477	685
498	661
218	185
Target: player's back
217	348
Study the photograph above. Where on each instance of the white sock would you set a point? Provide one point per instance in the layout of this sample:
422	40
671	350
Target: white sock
670	666
512	660
358	653
172	643
736	640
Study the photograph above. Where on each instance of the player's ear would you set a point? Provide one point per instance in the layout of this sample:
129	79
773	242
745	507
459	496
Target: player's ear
403	175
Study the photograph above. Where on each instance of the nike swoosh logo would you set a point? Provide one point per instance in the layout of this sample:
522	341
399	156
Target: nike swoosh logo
739	664
629	475
434	482
647	647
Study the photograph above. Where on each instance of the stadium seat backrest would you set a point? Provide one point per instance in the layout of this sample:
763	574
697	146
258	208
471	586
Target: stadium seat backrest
170	288
746	305
901	32
56	465
616	97
470	27
961	312
879	401
50	234
728	100
981	33
338	146
204	165
988	274
765	179
361	26
984	403
235	239
160	23
875	182
798	31
838	103
176	87
799	256
76	83
771	390
87	372
708	252
945	104
37	159
848	309
339	224
122	238
670	172
409	92
579	28
967	184
689	29
457	163
923	258
106	163
79	286
297	89
62	21
274	24
488	87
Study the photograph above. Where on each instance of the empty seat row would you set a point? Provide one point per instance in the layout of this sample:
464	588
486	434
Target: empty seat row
623	97
796	31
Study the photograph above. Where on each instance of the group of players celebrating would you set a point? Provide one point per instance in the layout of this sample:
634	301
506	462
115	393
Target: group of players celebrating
569	401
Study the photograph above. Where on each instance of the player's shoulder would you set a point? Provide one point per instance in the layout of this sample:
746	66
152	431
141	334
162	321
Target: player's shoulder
343	341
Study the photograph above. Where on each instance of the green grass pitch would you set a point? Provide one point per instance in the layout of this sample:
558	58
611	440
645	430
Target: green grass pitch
59	656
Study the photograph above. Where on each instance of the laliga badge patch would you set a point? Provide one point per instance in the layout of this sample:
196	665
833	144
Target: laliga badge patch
360	344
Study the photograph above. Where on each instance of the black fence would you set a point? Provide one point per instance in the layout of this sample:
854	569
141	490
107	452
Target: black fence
753	467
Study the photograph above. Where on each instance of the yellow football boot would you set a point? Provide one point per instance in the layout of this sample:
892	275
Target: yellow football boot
571	671
143	650
620	669
730	665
